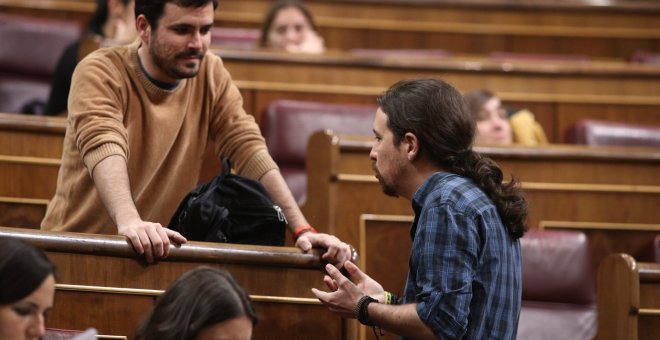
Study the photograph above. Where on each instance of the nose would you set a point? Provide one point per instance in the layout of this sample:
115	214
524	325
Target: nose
37	327
372	153
498	122
291	36
195	41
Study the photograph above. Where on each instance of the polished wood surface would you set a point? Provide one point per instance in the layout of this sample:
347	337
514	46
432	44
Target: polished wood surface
628	298
628	291
22	212
561	183
31	136
558	93
614	29
28	177
102	283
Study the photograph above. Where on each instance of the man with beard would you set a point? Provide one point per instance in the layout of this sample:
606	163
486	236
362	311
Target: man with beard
140	118
464	277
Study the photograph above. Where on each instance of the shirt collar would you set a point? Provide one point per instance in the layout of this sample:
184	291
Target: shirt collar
161	84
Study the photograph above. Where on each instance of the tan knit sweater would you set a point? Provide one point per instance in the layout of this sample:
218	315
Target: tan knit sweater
115	110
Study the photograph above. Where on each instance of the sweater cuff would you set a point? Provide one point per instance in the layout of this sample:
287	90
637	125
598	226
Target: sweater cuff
259	165
94	157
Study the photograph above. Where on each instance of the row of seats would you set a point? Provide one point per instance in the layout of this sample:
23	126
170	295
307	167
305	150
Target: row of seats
287	126
28	57
33	46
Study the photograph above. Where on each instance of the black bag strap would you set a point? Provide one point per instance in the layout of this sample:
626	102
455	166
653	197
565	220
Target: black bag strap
226	167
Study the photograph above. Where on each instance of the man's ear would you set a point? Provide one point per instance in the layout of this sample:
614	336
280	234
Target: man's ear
412	145
143	28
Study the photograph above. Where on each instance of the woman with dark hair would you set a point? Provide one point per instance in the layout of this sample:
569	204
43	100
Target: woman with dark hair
204	303
497	126
113	23
290	26
27	288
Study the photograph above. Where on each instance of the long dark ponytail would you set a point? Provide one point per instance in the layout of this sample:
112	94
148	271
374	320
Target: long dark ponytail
415	105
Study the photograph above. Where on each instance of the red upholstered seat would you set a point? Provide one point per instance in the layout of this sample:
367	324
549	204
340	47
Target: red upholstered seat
60	334
506	56
595	132
235	37
559	290
401	53
643	57
287	126
30	51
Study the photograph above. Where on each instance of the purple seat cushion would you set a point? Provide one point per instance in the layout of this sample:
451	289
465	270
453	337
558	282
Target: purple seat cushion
595	132
559	290
287	126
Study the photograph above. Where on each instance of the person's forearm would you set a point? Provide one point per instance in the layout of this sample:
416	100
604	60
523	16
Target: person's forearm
281	195
112	183
402	320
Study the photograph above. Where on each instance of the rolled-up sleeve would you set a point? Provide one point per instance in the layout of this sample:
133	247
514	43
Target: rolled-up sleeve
236	134
445	264
95	112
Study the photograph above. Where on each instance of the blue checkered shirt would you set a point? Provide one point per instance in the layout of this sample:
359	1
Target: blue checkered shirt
464	269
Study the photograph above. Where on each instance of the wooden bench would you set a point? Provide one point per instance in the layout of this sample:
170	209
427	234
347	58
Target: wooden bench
628	298
616	29
31	136
103	284
605	238
554	292
561	183
558	93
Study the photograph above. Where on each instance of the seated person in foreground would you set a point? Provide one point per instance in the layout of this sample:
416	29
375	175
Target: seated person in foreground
204	303
289	26
113	23
496	127
27	289
140	119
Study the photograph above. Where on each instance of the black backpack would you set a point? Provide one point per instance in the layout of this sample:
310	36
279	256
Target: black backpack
231	209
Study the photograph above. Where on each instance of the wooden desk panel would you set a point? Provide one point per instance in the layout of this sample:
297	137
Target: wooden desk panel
108	287
628	298
32	136
560	93
617	29
587	184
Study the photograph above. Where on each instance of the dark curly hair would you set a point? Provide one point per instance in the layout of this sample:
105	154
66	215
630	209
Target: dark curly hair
415	105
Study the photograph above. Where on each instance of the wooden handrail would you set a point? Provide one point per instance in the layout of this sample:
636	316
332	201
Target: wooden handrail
554	151
474	64
112	245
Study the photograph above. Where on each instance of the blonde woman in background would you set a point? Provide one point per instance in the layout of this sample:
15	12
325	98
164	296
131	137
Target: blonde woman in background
496	127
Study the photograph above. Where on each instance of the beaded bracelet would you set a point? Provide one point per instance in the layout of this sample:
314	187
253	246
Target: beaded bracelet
391	299
362	310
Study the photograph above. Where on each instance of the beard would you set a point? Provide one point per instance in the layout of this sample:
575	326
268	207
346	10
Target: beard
170	64
388	189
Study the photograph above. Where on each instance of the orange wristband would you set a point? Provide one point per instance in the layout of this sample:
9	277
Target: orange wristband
301	230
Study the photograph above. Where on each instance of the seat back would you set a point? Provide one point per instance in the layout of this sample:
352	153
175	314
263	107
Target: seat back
644	57
401	53
595	132
245	38
30	51
60	334
559	290
656	249
287	126
534	57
